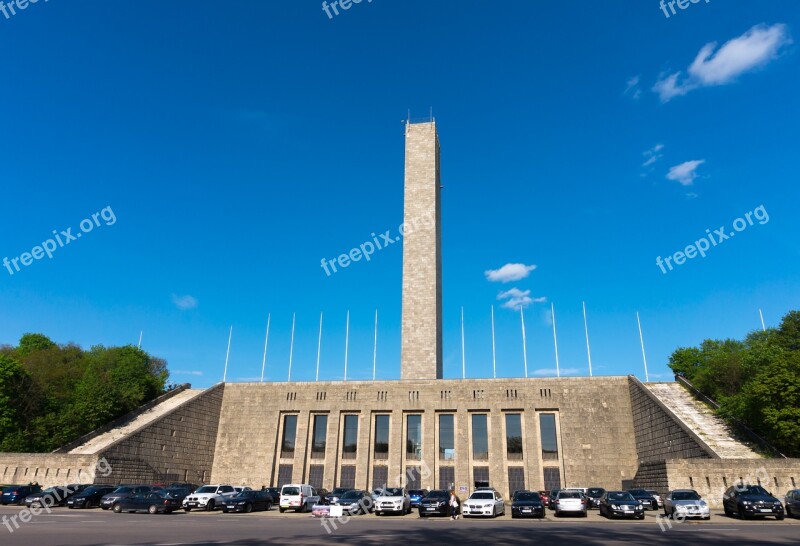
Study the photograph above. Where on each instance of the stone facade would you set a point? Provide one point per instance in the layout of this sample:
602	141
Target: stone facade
47	468
421	349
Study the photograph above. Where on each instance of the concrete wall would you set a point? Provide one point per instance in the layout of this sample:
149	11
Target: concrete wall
48	469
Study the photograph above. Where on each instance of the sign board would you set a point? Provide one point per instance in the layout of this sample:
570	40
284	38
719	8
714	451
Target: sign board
462	489
336	511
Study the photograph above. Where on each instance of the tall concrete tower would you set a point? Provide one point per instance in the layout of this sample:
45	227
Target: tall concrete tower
421	351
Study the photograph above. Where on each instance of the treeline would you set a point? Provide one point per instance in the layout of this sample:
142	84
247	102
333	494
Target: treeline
756	381
52	394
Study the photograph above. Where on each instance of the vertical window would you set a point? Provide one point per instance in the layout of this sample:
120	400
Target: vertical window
284	474
320	435
514	436
480	475
547	428
447	477
414	437
381	437
480	437
348	478
350	442
289	433
552	478
516	479
413	477
380	477
315	474
447	445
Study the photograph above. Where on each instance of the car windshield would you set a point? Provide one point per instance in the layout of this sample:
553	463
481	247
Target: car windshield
392	492
753	490
340	491
652	493
685	496
620	496
123	490
438	494
569	495
482	496
92	490
247	494
352	495
416	492
639	493
595	492
207	489
527	497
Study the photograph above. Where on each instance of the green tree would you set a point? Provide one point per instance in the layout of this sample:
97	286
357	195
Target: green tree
30	343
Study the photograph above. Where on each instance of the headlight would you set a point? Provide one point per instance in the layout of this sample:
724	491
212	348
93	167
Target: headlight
746	502
703	503
778	504
615	506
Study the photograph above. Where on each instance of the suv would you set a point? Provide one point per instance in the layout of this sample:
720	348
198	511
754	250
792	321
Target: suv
300	497
208	497
751	501
393	499
16	494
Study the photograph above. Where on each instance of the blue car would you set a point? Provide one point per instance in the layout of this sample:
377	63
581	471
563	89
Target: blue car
416	496
16	494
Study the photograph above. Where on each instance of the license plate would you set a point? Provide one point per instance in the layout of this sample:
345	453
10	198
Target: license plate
430	509
526	509
191	504
628	511
765	510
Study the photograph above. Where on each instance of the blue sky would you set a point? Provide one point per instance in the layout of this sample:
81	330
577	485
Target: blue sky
238	144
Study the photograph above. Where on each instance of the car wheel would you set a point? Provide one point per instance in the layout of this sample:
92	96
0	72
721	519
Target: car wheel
728	512
224	510
104	507
742	513
422	515
117	508
280	510
152	509
779	517
640	516
210	506
248	508
187	509
269	507
706	518
789	511
494	511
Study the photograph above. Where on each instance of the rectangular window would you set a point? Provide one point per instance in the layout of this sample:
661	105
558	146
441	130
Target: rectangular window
381	437
552	478
316	472
447	444
547	428
447	477
514	436
348	478
480	437
480	475
413	477
350	441
380	476
414	437
320	436
284	474
289	433
516	479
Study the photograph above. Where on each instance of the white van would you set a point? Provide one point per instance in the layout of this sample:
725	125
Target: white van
299	497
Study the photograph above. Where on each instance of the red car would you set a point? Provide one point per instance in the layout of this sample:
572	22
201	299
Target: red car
545	495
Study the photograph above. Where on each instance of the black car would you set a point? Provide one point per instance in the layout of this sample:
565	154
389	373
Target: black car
751	501
15	494
416	496
152	503
248	501
648	501
436	503
90	496
55	496
551	503
178	493
594	494
620	504
125	491
276	494
333	496
527	504
792	502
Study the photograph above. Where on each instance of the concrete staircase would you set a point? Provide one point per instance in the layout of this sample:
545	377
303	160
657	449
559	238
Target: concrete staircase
702	420
103	441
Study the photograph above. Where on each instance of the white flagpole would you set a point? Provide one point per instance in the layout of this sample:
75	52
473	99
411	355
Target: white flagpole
375	347
227	354
641	340
291	348
555	340
319	345
346	342
463	358
763	328
524	348
494	358
141	332
586	329
264	358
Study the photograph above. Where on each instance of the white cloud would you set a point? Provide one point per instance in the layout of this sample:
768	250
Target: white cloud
184	302
516	298
632	88
686	172
753	49
509	272
652	155
553	372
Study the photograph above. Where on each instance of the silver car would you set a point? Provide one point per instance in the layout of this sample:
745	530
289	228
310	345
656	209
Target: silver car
484	502
686	503
570	502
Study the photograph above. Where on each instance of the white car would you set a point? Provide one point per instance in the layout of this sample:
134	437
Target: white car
484	502
299	497
686	503
570	501
393	500
208	497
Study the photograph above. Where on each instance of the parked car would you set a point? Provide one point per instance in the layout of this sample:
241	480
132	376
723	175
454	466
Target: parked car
686	503
751	501
648	501
570	501
183	485
484	502
435	503
353	502
154	502
123	492
208	497
248	501
239	489
393	500
551	502
527	504
299	497
15	494
179	493
276	494
55	496
545	496
620	504
375	493
593	496
656	496
792	503
416	495
90	496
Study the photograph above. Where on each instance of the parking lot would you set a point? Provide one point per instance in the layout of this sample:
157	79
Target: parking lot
64	527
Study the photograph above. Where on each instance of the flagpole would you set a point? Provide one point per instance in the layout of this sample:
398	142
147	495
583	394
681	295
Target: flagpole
375	347
291	348
463	358
141	332
586	329
227	354
524	348
641	340
264	358
494	358
319	345
555	340
763	328
346	342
